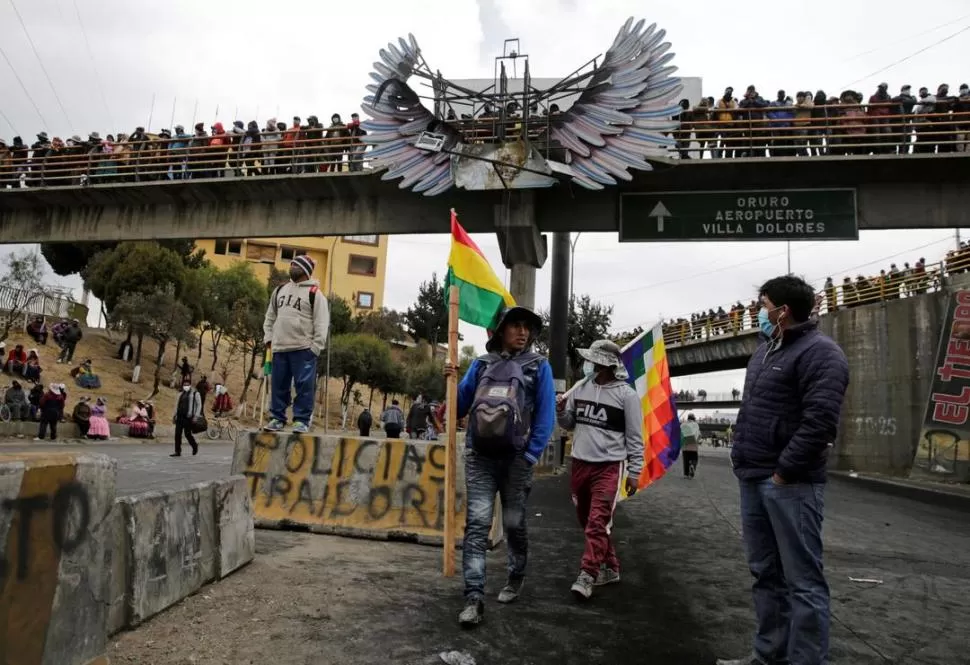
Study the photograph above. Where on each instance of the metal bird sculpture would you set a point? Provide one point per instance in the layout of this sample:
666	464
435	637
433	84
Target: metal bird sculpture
620	120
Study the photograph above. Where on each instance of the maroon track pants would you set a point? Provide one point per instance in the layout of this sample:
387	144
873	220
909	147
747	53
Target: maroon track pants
595	486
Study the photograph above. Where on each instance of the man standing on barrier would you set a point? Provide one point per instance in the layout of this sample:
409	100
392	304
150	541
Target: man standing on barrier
607	418
295	328
789	415
510	400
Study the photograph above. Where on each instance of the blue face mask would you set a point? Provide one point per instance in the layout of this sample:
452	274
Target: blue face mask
589	369
767	327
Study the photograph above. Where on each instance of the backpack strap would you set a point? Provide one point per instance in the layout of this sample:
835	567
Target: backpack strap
276	293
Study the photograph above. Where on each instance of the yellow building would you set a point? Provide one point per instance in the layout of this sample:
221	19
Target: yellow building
359	262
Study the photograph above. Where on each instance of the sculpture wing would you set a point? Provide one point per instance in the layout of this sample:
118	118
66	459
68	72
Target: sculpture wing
398	119
619	120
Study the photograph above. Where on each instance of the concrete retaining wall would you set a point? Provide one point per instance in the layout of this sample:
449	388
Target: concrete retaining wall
891	348
54	533
386	488
68	430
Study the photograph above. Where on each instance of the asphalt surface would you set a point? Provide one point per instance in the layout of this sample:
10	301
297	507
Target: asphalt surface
684	598
143	467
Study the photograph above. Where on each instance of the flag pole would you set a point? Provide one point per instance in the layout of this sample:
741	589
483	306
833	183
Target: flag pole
451	440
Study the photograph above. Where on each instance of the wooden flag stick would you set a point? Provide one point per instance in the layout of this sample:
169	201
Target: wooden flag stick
451	441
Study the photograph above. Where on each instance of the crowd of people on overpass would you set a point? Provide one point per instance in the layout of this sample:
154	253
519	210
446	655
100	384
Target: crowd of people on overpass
810	124
889	284
244	149
820	124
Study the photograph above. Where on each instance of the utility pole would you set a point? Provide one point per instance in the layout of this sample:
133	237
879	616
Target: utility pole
559	303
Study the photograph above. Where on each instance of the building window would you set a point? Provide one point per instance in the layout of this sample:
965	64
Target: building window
229	247
363	240
261	253
290	253
362	265
365	300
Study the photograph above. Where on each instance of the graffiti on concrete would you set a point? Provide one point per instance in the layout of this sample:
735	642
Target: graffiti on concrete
68	512
389	484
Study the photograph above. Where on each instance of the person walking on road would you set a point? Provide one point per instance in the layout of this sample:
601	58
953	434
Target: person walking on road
187	409
418	418
510	400
690	437
789	416
606	418
364	422
393	420
295	328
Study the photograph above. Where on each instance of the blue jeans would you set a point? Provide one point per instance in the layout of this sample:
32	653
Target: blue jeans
299	369
512	479
782	527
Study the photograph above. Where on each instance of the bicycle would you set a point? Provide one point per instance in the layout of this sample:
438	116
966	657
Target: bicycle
222	425
5	414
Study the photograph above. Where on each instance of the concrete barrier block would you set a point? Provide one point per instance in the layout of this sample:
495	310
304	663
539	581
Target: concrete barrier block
116	566
380	488
172	537
54	527
235	535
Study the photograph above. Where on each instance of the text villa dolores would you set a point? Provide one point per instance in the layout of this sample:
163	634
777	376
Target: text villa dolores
771	215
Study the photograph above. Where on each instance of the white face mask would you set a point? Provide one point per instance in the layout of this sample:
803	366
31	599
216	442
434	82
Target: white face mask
589	369
186	388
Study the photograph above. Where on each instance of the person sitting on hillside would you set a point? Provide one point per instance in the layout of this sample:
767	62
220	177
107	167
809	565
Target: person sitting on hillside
138	424
16	401
82	416
32	368
98	423
222	405
33	400
16	360
37	329
85	377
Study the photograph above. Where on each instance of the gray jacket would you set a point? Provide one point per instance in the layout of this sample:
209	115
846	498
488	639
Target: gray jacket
292	324
608	424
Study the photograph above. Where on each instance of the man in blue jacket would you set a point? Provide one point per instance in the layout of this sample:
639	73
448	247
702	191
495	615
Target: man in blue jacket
789	417
510	400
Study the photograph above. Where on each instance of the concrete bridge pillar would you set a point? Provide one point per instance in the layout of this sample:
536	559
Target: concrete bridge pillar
523	247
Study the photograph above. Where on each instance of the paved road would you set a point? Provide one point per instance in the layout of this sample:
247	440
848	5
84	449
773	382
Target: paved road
147	466
684	598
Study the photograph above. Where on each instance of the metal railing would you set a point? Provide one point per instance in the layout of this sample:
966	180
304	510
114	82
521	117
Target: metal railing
687	397
741	319
843	130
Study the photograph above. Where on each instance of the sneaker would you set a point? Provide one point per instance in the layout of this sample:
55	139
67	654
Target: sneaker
582	588
300	428
607	576
510	591
274	425
750	660
472	614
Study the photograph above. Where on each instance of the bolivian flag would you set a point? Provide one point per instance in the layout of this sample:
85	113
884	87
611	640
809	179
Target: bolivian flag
482	296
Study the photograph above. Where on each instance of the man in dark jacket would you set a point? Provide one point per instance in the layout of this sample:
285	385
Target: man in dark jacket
418	417
69	342
364	422
902	125
789	417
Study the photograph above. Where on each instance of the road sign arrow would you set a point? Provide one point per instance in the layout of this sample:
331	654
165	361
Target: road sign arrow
660	211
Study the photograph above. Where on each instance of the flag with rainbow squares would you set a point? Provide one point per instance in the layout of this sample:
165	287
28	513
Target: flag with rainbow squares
645	359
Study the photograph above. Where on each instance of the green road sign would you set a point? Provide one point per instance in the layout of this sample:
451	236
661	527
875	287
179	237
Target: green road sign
767	214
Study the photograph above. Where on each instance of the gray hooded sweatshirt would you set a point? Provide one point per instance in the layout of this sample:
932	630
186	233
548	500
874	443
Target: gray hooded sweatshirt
608	424
291	324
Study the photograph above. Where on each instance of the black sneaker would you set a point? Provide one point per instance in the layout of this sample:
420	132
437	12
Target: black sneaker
511	590
472	614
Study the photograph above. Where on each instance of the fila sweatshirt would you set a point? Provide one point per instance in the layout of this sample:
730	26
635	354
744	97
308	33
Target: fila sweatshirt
607	422
292	324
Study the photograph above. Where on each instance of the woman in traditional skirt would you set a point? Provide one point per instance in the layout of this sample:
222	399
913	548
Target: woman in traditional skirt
98	428
138	427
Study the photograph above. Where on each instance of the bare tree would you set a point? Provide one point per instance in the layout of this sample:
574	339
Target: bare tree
20	289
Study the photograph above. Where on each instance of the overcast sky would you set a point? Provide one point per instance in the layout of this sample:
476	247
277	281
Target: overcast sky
255	60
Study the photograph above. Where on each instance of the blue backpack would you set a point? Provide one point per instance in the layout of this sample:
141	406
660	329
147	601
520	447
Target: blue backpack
498	420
